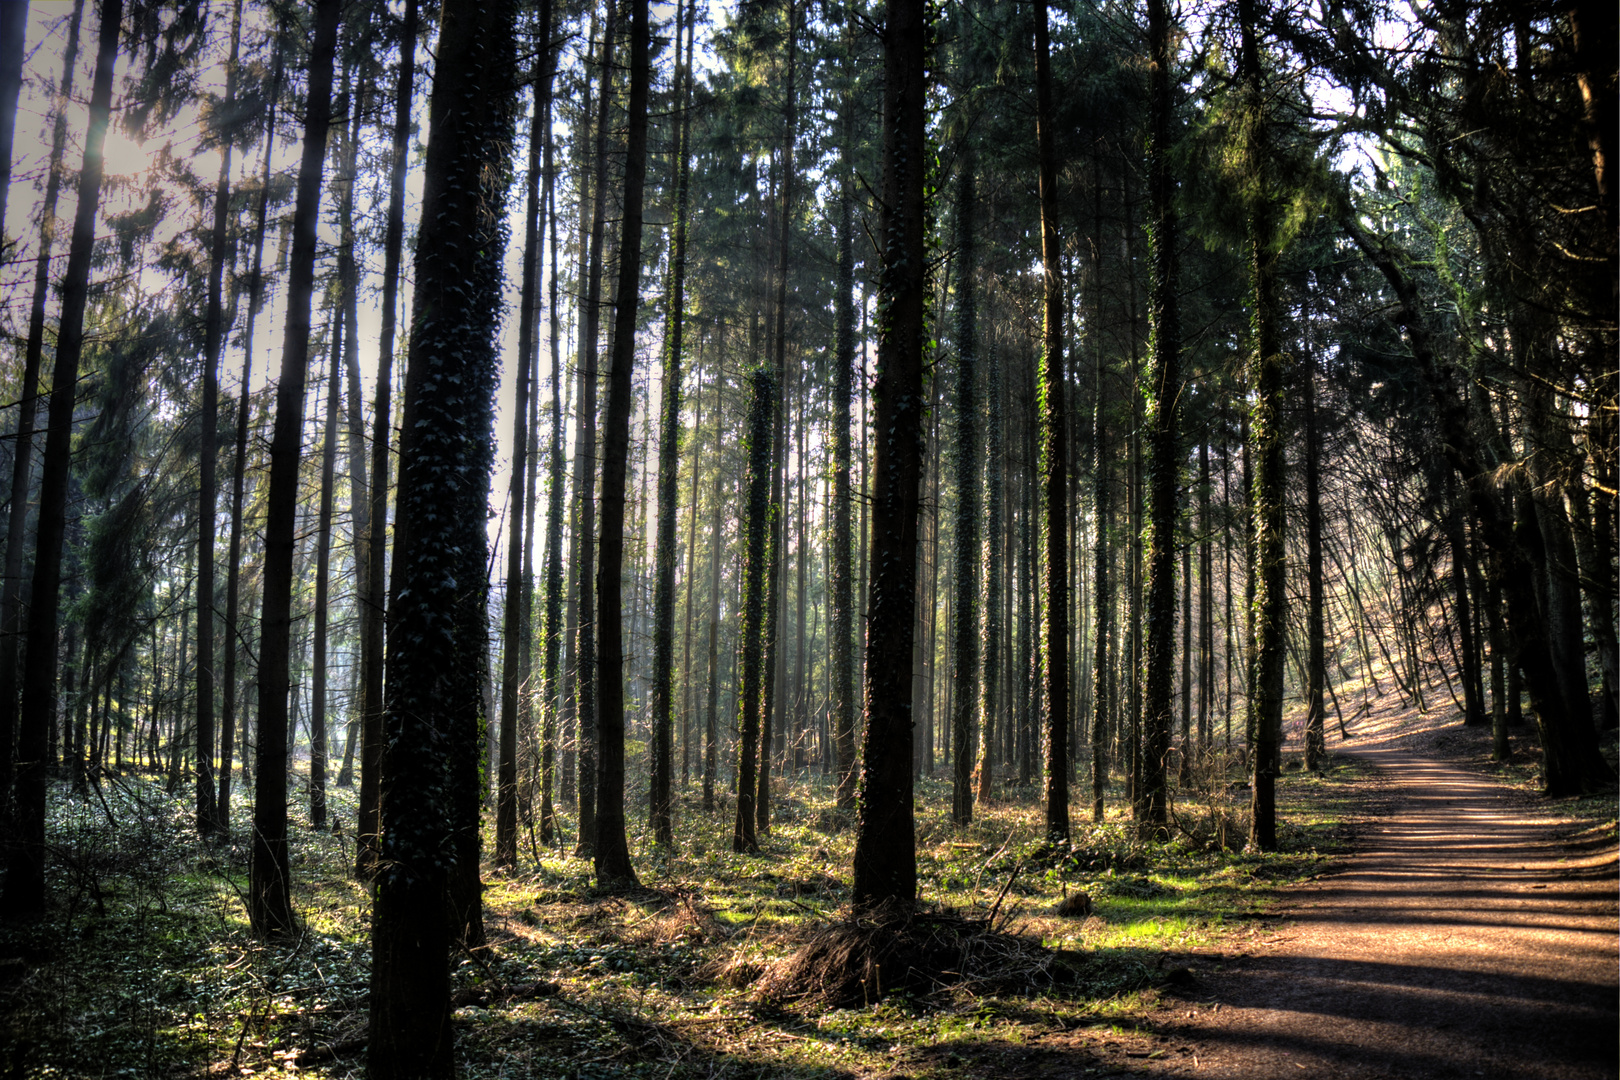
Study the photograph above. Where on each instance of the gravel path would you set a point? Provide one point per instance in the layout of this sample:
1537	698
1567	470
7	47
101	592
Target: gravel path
1467	937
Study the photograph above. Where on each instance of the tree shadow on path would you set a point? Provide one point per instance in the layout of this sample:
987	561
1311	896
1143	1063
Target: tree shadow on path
1466	937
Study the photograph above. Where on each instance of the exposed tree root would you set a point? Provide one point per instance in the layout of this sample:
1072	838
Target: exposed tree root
858	960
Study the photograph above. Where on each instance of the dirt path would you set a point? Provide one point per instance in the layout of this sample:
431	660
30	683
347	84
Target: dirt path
1466	938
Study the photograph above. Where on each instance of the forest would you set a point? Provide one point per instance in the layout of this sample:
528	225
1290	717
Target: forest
785	537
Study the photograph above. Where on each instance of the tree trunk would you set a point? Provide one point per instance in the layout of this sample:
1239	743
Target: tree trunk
25	875
1054	465
1101	590
775	593
1163	393
688	700
369	826
711	731
269	884
1269	569
323	590
554	505
668	478
513	670
965	609
585	473
437	603
359	497
1315	628
885	861
612	852
27	406
994	490
762	387
355	432
207	806
1206	601
13	30
841	623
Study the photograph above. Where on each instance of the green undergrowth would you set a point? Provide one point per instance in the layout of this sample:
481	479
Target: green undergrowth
145	968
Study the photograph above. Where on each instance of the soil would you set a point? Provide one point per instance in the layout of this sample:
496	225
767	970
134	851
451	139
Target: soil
1473	933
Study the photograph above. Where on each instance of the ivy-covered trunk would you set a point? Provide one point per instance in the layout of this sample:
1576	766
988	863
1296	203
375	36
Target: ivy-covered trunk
436	646
1162	392
1054	465
885	863
756	515
1268	569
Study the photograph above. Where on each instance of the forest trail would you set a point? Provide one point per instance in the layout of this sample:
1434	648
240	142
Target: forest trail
1470	935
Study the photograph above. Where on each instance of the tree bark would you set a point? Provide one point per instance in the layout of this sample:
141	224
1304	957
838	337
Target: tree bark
665	552
994	491
1162	399
369	826
775	592
514	670
585	473
355	432
435	666
244	417
1315	622
354	421
762	387
885	862
25	875
711	732
27	406
841	622
13	31
269	885
1268	569
965	609
612	852
556	465
207	807
1101	589
1054	465
323	579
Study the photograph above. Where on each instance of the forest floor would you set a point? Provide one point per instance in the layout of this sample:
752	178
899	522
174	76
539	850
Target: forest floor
1427	915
